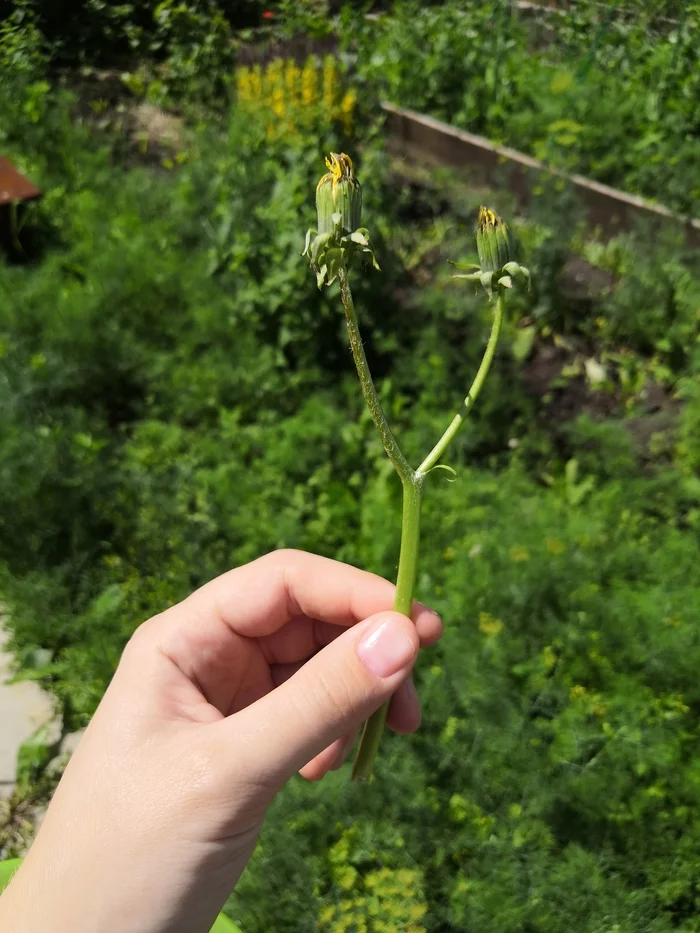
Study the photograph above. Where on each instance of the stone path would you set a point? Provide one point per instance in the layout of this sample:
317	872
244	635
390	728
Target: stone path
23	708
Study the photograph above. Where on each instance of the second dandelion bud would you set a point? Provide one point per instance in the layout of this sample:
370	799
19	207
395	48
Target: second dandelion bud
494	242
498	266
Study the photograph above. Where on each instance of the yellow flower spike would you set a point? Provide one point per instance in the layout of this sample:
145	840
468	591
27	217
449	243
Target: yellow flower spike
243	84
298	98
347	111
277	75
309	83
292	81
278	101
267	81
330	84
256	83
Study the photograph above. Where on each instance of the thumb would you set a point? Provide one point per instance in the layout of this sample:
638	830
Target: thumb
328	697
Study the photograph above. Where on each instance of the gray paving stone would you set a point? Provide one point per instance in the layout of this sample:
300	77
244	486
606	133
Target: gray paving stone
23	708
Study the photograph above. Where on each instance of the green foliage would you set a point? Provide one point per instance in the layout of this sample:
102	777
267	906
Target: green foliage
22	47
186	48
7	870
554	774
196	41
305	17
153	337
33	756
98	32
613	98
177	397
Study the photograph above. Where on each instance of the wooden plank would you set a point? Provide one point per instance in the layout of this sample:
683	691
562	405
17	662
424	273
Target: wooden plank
13	185
532	7
546	9
422	138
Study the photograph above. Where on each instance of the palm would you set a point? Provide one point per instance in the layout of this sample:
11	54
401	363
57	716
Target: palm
220	663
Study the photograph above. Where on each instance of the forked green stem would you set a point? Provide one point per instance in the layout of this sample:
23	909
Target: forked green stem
468	403
412	481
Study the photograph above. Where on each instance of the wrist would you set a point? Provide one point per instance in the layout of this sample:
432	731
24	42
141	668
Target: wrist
67	885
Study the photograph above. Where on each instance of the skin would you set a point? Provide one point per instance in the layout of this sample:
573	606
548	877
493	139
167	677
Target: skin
266	671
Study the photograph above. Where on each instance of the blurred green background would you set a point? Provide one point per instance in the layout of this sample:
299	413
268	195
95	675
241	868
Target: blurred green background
177	398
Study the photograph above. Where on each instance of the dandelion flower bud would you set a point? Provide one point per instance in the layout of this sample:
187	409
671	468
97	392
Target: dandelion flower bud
497	249
339	239
494	242
339	192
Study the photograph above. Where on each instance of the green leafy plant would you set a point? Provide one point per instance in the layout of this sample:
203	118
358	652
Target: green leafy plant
610	95
177	398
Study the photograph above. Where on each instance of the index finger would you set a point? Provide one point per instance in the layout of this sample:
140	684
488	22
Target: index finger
259	598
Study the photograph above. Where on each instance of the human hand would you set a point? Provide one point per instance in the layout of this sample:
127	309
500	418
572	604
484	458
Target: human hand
267	670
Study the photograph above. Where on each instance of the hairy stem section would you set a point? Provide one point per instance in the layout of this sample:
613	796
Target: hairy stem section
401	464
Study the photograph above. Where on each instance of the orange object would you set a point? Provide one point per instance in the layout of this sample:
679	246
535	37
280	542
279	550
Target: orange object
14	186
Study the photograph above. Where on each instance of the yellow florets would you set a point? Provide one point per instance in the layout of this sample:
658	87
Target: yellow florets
338	192
339	166
307	98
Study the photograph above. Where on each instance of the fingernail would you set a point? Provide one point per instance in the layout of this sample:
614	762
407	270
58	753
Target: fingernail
386	648
342	754
428	609
411	692
423	608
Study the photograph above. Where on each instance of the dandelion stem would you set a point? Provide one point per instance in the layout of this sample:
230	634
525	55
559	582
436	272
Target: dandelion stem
468	403
410	525
403	601
401	464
